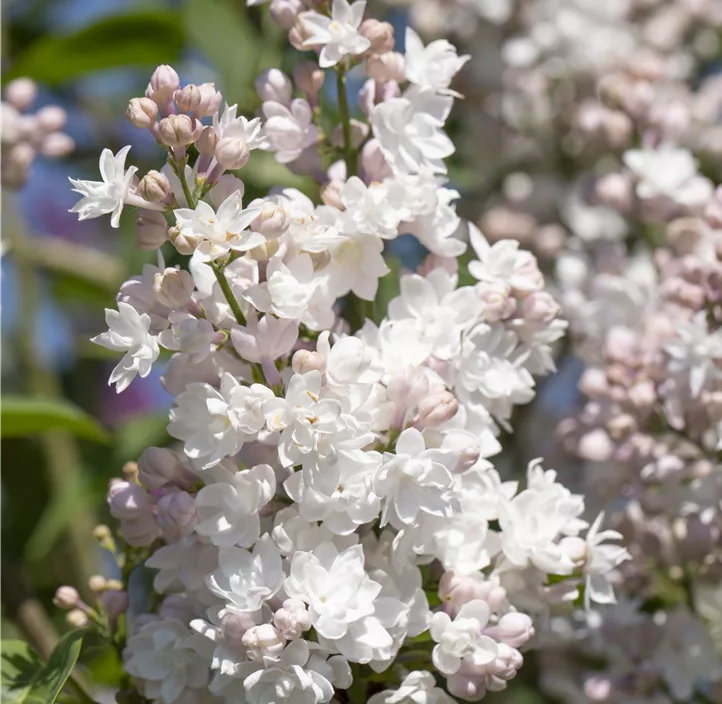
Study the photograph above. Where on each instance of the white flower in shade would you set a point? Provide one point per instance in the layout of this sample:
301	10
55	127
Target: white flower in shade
108	195
435	223
409	131
215	233
266	339
414	480
128	332
164	656
190	335
433	66
357	263
183	564
230	126
461	640
247	580
289	130
214	423
668	172
338	34
697	352
418	687
228	508
376	209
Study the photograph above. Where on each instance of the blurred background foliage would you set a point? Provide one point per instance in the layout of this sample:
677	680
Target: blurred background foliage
64	432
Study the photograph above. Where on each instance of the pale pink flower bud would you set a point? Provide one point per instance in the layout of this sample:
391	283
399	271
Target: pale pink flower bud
56	145
380	34
309	78
331	194
436	409
285	12
128	501
142	112
595	446
22	155
208	141
373	162
297	35
390	66
593	382
97	583
515	629
21	93
51	118
273	220
163	83
643	394
234	626
508	660
180	242
173	287
263	252
66	598
292	619
275	86
77	618
550	240
470	689
115	602
540	307
232	152
455	590
200	101
263	641
179	130
154	187
598	688
499	304
151	229
616	191
158	466
307	361
177	516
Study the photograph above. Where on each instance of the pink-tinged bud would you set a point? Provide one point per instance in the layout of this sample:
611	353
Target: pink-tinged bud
151	229
200	101
273	220
173	287
331	194
390	66
263	641
593	382
643	395
128	501
208	141
309	78
179	130
234	626
159	466
21	93
77	618
142	112
380	34
180	242
275	86
297	35
263	252
307	361
51	118
163	83
177	516
550	240
540	307
455	590
505	665
595	446
499	304
373	162
598	688
56	145
154	187
616	191
515	629
285	12
21	155
292	619
115	602
66	598
97	583
232	152
436	409
359	132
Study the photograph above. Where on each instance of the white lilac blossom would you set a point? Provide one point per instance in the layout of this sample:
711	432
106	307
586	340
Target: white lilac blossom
335	427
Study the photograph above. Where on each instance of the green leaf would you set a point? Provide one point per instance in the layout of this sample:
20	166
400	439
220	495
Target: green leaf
54	675
143	39
24	416
19	665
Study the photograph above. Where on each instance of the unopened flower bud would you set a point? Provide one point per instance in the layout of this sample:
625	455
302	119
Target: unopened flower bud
173	287
21	93
232	152
285	12
102	534
51	118
616	191
234	626
151	229
550	240
163	84
66	598
263	252
114	602
200	101
142	112
274	85
97	583
273	220
180	242
177	516
297	35
499	304
154	187
77	619
263	641
128	501
292	619
179	130
595	446
380	34
436	409
515	629
593	382
390	66
455	590
56	145
309	77
540	307
307	361
331	194
208	141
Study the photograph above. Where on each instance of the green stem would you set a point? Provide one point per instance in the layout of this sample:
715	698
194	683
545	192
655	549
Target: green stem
348	149
180	172
228	293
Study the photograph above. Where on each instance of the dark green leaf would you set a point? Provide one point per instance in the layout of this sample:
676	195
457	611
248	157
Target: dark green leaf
19	665
23	416
54	675
143	39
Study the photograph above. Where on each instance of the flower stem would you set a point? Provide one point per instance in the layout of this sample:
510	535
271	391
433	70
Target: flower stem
348	149
180	171
228	293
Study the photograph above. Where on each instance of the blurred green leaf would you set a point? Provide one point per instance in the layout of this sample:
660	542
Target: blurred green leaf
23	416
138	433
389	288
62	660
132	39
19	665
